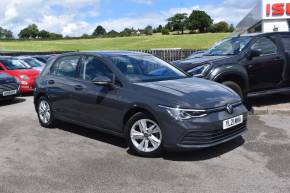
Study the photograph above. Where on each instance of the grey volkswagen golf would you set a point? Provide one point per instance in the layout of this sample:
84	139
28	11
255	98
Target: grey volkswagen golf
149	102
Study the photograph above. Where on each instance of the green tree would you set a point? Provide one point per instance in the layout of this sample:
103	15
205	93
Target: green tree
159	29
9	34
99	31
148	30
112	34
85	36
199	20
232	28
55	36
5	34
178	22
30	32
44	34
219	27
165	31
126	32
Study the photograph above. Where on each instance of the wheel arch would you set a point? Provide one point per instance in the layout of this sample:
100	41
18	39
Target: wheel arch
37	96
238	77
137	109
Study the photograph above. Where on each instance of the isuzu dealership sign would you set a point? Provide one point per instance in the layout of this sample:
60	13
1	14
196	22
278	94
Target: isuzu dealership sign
276	9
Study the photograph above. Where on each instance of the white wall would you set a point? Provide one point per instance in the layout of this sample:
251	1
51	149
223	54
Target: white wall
280	25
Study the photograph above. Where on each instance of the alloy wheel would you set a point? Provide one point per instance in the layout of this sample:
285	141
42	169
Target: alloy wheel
44	112
146	135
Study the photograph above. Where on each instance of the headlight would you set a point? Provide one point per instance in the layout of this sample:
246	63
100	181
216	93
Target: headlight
199	71
24	77
184	114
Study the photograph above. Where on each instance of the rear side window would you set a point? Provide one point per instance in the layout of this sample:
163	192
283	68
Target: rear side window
266	46
286	43
66	66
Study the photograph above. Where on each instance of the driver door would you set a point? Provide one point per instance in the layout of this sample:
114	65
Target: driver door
98	105
265	71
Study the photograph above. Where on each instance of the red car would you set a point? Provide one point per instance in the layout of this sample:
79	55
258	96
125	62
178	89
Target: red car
24	74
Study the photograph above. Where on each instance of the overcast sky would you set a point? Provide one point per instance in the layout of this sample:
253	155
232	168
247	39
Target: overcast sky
76	17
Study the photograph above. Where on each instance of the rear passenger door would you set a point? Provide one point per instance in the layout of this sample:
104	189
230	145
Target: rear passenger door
266	70
62	83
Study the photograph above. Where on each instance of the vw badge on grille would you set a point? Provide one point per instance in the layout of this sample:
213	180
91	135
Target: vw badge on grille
230	109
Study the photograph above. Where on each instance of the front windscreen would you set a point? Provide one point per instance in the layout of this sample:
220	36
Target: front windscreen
33	62
229	46
14	64
145	68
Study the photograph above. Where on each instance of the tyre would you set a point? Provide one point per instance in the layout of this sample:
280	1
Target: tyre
45	113
144	135
235	87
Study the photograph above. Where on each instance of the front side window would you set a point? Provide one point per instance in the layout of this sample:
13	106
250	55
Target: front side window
265	45
66	66
93	68
286	43
145	68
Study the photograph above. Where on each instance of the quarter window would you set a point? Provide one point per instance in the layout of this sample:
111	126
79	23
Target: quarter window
66	66
92	68
265	45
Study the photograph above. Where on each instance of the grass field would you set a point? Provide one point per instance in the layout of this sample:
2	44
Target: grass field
194	41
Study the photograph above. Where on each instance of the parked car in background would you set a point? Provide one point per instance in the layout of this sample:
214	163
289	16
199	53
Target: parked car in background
9	87
140	97
16	68
251	65
32	62
43	58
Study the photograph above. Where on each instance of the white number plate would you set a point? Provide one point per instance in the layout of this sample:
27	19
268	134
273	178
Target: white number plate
9	93
233	122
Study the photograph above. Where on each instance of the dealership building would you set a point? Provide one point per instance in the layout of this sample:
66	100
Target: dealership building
266	16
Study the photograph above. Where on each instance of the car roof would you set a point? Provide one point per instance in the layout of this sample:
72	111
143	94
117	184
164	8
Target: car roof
263	34
107	53
6	57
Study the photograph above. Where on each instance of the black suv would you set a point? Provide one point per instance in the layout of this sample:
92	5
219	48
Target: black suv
140	97
251	65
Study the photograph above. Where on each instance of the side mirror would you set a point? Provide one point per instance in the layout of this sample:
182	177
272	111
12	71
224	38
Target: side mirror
102	81
255	53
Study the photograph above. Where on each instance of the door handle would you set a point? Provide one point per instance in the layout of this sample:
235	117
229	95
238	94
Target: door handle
51	82
78	87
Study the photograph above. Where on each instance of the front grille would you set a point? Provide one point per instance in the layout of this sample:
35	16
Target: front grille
223	108
8	87
214	136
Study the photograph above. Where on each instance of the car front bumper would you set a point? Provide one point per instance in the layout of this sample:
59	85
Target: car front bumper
204	132
28	87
